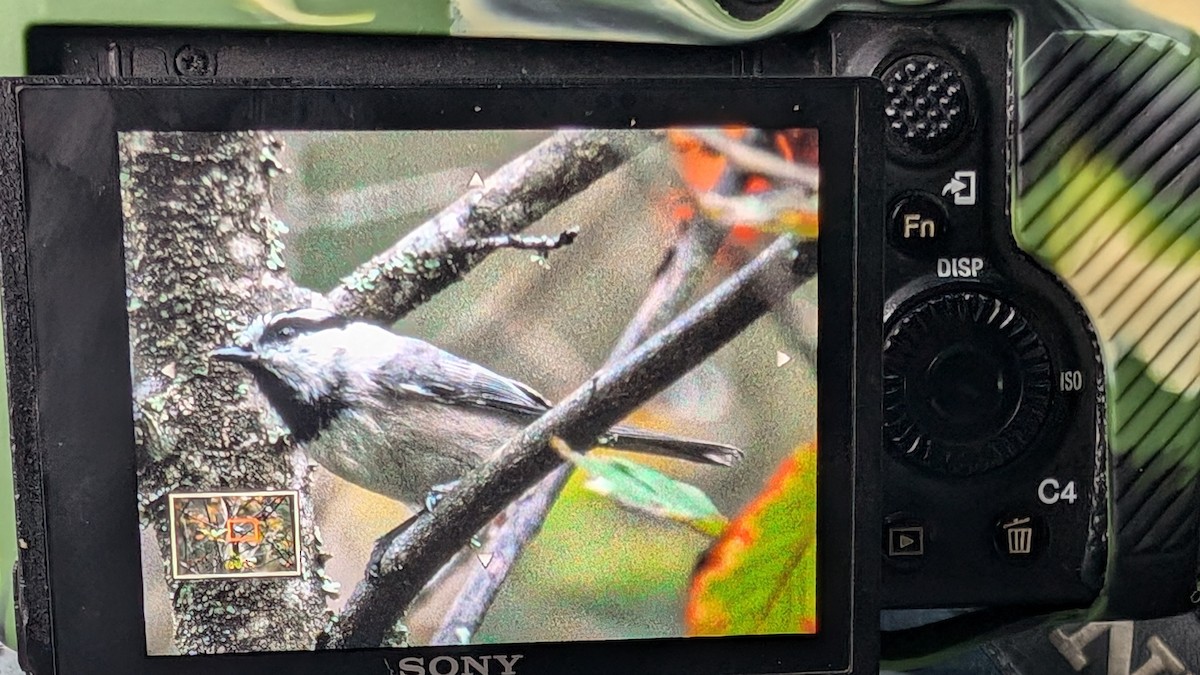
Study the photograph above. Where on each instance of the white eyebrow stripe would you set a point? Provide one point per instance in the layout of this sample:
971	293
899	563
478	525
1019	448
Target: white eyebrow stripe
308	313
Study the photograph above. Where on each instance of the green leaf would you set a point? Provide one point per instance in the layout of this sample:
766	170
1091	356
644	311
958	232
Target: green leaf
760	576
643	489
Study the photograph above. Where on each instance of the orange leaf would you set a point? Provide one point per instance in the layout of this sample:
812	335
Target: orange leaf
760	576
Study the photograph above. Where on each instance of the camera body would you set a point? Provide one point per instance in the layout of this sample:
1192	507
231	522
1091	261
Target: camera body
994	470
1041	335
1042	240
1042	404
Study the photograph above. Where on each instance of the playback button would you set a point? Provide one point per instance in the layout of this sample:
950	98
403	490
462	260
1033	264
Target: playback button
905	542
919	225
904	539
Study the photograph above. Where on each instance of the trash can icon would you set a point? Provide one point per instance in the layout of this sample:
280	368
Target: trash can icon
1020	536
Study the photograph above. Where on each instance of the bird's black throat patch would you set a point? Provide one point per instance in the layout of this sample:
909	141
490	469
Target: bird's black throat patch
305	419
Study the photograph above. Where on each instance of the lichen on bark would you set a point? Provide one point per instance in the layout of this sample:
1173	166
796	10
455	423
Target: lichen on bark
203	258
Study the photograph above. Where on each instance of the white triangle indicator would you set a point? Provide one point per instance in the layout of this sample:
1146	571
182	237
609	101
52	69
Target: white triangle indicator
485	559
906	541
782	359
476	181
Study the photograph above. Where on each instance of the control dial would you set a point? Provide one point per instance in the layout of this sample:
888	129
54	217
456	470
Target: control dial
967	384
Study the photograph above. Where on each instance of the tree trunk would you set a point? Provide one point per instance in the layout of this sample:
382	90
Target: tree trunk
203	259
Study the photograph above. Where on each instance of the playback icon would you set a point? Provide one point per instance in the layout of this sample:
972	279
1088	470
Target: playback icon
906	541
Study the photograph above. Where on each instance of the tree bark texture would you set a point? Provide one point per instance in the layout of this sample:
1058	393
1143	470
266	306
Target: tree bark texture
204	257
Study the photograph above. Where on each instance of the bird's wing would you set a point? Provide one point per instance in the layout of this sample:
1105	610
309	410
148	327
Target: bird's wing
455	381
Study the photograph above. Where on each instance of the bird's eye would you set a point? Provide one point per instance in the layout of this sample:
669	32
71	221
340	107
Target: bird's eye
287	332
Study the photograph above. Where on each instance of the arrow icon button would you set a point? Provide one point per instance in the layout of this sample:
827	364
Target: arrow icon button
907	540
962	186
955	186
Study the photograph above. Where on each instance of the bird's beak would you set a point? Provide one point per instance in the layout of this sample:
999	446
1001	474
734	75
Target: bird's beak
233	355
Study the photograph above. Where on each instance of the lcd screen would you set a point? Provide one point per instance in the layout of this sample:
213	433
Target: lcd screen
277	318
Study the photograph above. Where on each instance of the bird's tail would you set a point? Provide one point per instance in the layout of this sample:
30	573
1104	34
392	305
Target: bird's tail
652	443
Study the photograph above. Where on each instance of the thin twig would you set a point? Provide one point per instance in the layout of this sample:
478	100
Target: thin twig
677	279
384	595
431	257
507	538
756	160
767	211
541	244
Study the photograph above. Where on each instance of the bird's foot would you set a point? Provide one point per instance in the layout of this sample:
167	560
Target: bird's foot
436	493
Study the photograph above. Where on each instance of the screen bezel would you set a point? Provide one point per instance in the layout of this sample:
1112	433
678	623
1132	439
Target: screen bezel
74	285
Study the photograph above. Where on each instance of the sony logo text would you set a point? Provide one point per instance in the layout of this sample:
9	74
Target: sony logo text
495	664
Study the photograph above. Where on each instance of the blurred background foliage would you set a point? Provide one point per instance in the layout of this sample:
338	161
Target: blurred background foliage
409	17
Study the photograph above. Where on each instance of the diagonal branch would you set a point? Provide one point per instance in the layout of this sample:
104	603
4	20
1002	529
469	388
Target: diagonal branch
439	252
675	282
507	538
412	558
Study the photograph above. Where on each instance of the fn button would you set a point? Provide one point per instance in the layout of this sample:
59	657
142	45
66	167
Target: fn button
919	225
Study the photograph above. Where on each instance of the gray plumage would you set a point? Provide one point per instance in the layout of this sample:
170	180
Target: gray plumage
397	415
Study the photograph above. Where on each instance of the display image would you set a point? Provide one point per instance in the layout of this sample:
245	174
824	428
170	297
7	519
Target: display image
339	338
